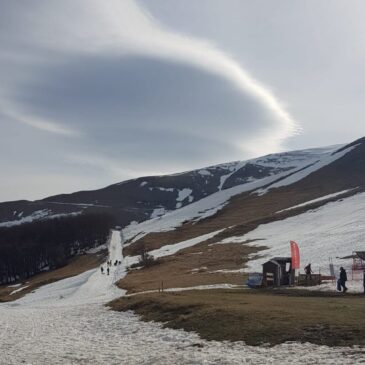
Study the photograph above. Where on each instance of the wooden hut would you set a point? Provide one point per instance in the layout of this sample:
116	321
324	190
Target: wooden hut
278	271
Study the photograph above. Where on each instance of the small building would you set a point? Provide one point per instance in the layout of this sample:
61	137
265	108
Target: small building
278	271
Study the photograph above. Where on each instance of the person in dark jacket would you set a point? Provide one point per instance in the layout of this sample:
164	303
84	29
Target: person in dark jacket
308	272
342	280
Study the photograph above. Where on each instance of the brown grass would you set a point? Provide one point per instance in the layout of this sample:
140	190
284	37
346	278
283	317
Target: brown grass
256	317
76	266
191	267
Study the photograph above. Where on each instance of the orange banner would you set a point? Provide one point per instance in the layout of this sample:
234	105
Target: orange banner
295	257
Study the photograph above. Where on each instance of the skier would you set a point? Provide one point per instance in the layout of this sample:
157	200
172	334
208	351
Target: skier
102	270
308	272
341	283
107	270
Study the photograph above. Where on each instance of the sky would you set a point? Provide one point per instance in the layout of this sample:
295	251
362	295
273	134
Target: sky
94	92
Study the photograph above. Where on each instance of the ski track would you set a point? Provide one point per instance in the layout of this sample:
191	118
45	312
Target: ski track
67	323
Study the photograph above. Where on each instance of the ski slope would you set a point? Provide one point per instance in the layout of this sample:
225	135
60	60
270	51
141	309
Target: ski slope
334	230
67	323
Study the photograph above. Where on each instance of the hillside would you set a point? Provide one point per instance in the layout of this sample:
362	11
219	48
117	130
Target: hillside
149	197
184	218
213	241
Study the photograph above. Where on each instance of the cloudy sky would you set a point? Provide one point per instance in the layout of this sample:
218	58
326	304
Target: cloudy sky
93	92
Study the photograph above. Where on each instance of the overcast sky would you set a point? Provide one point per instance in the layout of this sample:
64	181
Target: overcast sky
93	92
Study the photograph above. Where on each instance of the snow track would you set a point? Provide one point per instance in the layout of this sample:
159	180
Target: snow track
67	323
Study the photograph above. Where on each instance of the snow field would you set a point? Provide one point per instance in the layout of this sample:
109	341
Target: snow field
334	230
176	247
92	334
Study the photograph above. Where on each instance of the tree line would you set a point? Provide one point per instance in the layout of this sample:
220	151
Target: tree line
30	248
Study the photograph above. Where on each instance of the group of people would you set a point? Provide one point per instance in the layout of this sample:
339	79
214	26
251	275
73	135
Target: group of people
109	264
116	262
341	282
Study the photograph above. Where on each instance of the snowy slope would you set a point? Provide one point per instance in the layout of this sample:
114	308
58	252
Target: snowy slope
333	230
88	287
148	197
322	198
293	166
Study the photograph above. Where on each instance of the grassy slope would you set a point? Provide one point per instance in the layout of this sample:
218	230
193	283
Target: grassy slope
256	316
197	265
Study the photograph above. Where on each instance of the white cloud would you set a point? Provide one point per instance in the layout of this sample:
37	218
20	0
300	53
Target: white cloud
124	28
44	39
39	123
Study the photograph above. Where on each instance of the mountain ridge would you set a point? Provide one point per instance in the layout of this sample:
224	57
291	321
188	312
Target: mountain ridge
148	197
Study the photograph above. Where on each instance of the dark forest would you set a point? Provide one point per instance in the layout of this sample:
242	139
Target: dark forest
30	248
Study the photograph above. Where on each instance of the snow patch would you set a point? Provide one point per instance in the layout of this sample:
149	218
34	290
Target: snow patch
174	248
329	196
18	290
205	172
158	212
183	194
171	190
333	230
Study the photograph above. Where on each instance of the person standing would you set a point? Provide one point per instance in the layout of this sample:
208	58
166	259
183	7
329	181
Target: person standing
308	272
102	270
342	280
107	270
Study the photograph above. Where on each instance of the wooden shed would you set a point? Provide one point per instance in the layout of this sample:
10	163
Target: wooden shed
278	271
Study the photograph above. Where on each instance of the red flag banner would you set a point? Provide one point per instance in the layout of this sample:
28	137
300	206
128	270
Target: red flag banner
295	257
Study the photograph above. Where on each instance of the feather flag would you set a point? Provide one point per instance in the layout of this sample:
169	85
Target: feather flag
295	256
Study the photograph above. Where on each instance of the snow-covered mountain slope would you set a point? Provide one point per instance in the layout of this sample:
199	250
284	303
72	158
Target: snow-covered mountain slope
333	230
305	162
152	197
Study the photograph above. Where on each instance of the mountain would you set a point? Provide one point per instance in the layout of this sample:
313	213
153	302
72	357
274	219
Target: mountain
301	174
207	226
314	197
